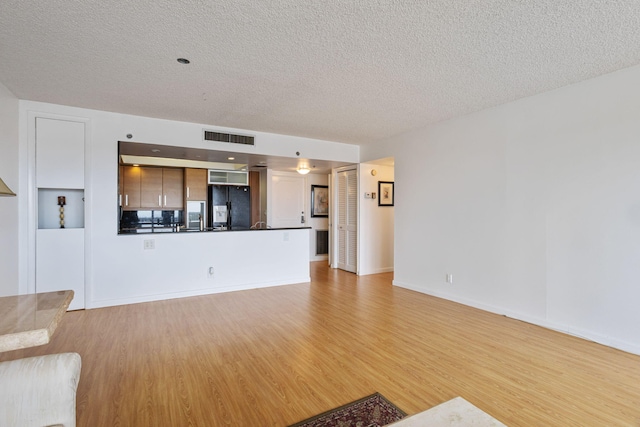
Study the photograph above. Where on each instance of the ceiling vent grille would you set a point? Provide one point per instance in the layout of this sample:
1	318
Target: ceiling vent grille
229	137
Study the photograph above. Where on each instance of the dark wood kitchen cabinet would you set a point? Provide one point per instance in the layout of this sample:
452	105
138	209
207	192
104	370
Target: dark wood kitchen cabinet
195	183
130	196
172	189
152	188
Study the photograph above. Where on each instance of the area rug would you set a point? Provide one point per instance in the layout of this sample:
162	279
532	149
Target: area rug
370	411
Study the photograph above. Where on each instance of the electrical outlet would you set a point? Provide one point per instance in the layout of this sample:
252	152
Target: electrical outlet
149	244
449	278
211	271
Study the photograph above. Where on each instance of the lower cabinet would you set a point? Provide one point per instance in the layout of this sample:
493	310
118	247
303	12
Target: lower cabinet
60	262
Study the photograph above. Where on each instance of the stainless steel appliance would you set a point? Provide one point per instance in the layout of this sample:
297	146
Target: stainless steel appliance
196	215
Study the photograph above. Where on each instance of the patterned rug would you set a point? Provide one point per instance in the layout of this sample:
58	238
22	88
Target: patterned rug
370	411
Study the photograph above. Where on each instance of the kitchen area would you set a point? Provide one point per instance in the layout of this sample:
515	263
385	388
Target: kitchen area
183	199
135	238
160	199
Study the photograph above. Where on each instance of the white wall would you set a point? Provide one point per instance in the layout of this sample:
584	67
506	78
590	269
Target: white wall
9	205
376	223
533	206
119	270
9	244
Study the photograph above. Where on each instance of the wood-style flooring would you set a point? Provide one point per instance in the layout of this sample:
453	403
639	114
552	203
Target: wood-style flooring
274	356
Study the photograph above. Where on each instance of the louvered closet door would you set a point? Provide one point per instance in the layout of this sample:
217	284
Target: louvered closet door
347	221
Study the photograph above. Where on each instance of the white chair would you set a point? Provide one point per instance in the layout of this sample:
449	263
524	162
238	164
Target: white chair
39	391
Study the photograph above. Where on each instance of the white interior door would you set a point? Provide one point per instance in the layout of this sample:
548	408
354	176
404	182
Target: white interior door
347	230
287	201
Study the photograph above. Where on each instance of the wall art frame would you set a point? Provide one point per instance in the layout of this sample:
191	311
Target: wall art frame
386	194
319	201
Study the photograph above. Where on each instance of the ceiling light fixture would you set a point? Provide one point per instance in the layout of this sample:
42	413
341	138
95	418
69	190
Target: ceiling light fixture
303	170
184	61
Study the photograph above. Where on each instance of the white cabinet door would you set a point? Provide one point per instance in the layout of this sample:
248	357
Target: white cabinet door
60	262
59	153
347	220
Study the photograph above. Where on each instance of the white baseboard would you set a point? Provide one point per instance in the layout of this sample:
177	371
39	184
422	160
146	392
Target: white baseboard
192	293
567	329
376	271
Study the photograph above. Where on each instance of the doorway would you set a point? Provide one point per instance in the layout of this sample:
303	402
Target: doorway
346	224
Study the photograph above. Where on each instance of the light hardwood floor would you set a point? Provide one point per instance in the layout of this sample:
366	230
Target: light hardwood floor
274	356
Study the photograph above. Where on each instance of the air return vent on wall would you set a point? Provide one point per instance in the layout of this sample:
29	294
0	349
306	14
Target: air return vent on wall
228	137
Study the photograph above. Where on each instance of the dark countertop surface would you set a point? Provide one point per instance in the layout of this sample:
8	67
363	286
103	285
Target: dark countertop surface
171	230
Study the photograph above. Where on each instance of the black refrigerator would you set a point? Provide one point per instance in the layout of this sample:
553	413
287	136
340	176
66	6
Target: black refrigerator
229	207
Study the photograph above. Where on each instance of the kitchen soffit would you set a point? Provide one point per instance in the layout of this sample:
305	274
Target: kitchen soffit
167	155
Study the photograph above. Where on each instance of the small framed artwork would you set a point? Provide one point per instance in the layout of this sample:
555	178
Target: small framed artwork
385	193
319	200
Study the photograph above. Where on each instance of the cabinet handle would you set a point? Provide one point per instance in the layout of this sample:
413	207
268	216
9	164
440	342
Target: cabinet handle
126	200
159	200
120	199
165	200
187	192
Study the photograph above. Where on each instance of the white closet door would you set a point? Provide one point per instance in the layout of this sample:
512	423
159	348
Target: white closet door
347	220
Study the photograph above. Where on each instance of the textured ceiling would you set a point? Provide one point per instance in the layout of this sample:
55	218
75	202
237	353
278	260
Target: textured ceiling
348	71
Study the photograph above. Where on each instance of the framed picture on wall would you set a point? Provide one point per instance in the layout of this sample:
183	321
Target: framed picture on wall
385	193
319	200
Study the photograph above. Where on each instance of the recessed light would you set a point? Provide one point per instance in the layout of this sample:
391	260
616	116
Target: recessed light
155	150
184	61
231	158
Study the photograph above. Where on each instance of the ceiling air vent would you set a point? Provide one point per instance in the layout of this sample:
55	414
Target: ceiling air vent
228	137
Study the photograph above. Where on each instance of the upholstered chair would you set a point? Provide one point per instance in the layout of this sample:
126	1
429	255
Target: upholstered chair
39	391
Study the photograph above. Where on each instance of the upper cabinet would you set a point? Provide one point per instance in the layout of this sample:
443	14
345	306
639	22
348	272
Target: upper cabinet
59	153
225	177
130	197
195	184
172	189
152	188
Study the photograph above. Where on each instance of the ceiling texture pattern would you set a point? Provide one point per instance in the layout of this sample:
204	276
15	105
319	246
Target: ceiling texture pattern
340	70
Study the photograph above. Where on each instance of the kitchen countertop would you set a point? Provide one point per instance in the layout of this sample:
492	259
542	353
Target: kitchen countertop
169	230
